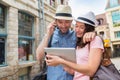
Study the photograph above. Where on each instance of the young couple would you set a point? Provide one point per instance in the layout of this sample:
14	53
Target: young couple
89	47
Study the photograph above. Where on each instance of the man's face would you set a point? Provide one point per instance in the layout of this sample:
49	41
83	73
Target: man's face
63	25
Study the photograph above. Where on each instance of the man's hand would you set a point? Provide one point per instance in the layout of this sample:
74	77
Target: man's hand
51	28
53	60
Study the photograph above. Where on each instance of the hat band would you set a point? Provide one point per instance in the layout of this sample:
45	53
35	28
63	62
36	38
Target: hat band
63	14
91	22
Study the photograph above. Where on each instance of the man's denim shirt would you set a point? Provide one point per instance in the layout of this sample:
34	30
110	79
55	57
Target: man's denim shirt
67	40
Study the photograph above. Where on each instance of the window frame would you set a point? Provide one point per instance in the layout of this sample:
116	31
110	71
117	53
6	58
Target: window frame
4	34
116	52
102	34
115	18
26	37
113	3
100	21
116	33
5	18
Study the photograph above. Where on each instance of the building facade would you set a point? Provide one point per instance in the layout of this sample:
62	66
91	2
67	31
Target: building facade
102	29
113	14
113	19
22	26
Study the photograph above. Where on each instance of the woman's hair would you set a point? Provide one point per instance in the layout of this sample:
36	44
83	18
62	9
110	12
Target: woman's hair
88	28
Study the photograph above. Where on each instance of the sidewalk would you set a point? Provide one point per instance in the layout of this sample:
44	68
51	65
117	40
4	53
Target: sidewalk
116	61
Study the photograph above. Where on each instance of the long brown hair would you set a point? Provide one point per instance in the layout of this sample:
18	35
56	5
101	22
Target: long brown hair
88	28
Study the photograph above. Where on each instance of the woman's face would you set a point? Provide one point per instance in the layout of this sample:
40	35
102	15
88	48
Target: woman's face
79	29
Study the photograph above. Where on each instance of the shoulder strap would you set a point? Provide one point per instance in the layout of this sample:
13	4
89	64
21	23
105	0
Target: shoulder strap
106	56
49	44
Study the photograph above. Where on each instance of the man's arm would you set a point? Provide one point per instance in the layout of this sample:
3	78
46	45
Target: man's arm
40	48
44	42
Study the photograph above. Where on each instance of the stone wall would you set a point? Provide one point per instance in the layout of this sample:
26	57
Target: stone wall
14	68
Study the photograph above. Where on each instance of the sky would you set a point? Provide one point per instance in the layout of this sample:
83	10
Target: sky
81	6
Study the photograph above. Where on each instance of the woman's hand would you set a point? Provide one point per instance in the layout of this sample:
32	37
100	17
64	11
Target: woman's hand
89	36
53	60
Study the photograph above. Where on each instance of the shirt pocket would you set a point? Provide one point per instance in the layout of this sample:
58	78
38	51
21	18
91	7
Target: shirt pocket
55	43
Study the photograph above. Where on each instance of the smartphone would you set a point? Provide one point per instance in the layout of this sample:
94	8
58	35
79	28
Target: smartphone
56	26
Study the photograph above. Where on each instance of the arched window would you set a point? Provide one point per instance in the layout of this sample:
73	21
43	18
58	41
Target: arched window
100	21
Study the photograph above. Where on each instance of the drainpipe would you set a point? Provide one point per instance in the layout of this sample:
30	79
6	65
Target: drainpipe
41	21
41	18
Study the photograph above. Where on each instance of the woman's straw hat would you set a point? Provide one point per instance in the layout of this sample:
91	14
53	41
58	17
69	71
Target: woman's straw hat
88	18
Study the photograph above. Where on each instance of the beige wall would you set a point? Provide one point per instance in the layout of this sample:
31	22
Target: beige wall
13	68
109	19
114	41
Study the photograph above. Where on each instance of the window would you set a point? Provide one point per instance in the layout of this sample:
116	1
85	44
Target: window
24	73
26	39
61	1
117	34
100	21
102	34
116	18
2	19
113	3
25	49
2	34
2	51
23	77
52	3
116	52
25	24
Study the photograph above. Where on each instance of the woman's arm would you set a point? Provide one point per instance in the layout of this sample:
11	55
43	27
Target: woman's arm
69	70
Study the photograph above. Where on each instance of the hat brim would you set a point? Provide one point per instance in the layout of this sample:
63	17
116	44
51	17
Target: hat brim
85	22
64	18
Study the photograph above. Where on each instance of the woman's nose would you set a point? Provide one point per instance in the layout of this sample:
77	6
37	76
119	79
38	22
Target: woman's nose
77	29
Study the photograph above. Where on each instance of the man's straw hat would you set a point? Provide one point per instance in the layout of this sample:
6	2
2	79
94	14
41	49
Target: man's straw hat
63	12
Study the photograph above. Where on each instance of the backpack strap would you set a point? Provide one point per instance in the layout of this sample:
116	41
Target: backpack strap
105	56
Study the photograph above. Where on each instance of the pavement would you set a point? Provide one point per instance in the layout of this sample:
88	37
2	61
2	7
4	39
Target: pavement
116	61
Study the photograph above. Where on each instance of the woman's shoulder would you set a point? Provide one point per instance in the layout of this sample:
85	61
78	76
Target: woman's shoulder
97	42
97	39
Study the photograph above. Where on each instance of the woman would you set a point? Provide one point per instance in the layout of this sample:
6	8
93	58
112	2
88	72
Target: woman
88	55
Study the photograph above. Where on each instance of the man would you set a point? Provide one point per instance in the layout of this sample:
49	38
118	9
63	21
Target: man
62	36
